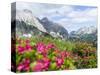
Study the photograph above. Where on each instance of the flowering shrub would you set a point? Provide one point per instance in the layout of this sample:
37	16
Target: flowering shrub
45	55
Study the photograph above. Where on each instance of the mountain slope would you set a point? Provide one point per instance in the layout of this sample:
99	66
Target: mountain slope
27	17
54	29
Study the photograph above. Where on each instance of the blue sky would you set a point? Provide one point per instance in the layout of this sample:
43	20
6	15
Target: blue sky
71	17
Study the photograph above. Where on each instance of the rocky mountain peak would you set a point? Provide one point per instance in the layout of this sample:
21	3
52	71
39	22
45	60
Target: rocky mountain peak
45	19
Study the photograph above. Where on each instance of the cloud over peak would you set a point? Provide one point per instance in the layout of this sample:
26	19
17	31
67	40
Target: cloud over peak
68	16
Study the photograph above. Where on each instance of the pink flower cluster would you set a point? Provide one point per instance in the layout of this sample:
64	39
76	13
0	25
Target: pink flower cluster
42	65
46	57
24	65
41	47
22	49
59	62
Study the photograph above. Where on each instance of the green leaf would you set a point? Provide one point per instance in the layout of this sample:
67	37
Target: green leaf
53	66
33	43
33	64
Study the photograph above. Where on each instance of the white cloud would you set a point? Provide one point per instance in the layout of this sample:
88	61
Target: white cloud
57	11
65	10
67	15
87	15
92	12
80	20
80	16
64	21
77	18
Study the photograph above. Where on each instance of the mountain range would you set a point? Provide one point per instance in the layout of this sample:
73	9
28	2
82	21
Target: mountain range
27	23
88	34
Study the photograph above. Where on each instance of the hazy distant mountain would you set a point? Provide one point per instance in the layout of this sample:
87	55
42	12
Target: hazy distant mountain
88	34
86	30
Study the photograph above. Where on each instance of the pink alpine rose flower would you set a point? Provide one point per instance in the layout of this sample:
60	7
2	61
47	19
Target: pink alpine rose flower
50	46
41	47
46	63
21	49
28	47
59	62
38	67
24	65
